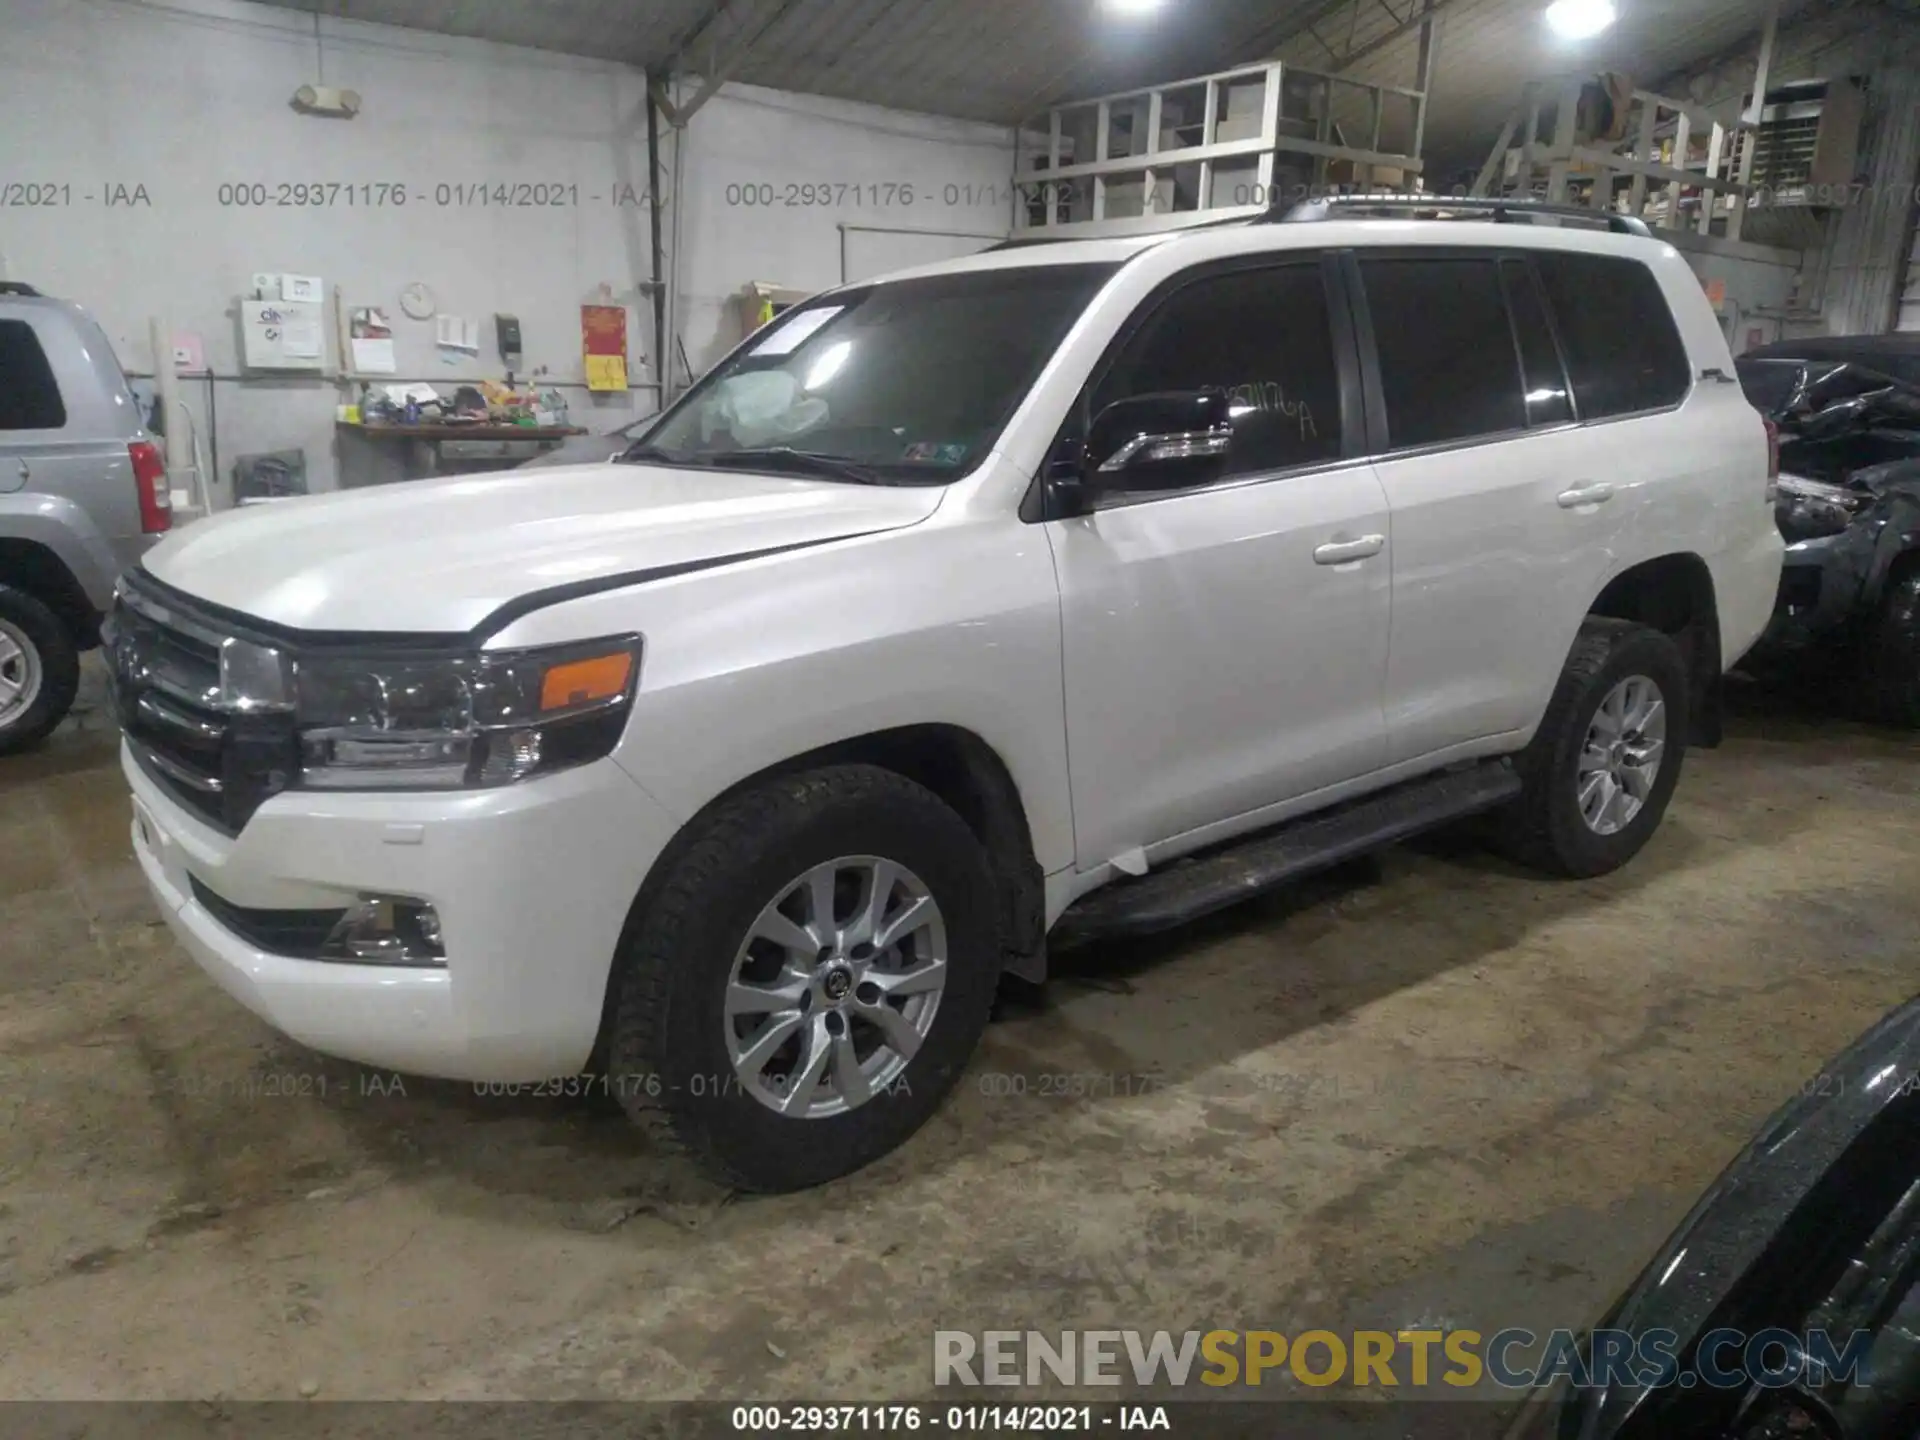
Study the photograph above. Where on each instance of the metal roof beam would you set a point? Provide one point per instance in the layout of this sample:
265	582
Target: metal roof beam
719	70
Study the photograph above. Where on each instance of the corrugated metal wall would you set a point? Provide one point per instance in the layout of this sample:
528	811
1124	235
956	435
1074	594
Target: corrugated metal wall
1873	237
1910	299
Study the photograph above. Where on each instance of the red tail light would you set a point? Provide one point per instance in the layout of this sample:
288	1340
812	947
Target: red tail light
150	483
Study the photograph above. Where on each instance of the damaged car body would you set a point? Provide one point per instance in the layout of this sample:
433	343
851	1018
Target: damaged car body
1806	1246
1848	416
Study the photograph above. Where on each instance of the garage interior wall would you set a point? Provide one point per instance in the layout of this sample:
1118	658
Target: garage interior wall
1849	282
161	104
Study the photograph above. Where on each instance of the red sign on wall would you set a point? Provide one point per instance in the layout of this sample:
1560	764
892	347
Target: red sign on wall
603	343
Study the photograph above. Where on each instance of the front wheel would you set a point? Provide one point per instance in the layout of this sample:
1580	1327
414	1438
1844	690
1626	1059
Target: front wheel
808	980
1607	756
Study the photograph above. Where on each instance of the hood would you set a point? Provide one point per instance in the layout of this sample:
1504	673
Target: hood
439	556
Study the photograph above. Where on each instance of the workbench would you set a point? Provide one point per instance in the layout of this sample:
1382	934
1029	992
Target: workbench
432	449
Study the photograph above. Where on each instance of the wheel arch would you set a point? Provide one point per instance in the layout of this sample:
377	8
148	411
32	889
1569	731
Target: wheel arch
957	765
1675	595
35	568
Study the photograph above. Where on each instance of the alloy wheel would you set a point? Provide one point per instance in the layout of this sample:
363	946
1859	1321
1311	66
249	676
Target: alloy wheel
835	987
20	673
1620	761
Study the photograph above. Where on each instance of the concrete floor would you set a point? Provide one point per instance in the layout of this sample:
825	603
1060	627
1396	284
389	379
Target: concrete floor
1436	1091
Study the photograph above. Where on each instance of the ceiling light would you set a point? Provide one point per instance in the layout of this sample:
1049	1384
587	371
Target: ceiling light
1580	19
1133	7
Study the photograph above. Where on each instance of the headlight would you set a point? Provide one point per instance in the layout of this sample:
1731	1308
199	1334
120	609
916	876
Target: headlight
458	721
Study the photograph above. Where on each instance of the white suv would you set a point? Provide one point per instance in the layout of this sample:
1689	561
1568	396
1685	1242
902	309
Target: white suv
1089	586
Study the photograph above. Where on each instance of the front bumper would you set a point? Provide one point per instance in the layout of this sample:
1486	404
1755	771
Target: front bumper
532	883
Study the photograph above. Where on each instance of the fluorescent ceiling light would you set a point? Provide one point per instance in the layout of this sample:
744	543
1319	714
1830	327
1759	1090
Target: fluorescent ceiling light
1133	7
1580	19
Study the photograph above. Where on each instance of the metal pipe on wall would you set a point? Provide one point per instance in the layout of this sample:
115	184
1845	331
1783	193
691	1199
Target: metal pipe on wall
670	387
166	383
661	360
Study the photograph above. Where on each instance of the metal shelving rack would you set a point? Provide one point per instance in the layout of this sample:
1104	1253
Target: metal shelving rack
1656	164
1209	148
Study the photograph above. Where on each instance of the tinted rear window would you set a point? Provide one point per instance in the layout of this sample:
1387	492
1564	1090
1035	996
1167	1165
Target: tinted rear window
29	400
1623	352
1547	400
1447	358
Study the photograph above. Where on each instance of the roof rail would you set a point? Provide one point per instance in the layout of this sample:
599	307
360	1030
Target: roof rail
1453	207
16	287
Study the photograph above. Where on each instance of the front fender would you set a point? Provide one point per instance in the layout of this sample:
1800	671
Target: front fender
952	622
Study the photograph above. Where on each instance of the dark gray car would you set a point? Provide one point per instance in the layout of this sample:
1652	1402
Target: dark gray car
83	492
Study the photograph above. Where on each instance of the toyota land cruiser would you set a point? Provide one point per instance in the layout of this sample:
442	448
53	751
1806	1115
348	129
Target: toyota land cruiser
1085	587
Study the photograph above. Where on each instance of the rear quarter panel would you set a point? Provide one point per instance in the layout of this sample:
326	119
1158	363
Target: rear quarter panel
1719	472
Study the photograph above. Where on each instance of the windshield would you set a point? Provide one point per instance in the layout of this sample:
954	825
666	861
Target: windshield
898	383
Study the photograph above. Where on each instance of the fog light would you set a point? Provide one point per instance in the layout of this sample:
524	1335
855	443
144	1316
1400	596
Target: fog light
387	930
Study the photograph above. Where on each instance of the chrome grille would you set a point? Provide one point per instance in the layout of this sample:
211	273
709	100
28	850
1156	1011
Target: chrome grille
165	658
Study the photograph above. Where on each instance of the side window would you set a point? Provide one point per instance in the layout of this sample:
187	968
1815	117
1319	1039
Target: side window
1447	358
1547	400
1623	352
1261	336
29	399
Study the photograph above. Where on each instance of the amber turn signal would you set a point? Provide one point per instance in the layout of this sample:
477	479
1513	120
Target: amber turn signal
581	682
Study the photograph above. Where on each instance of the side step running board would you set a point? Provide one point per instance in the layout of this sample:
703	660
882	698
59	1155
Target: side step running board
1199	885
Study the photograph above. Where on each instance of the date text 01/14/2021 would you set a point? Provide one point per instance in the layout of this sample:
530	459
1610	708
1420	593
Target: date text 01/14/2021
871	194
956	1419
445	195
700	1087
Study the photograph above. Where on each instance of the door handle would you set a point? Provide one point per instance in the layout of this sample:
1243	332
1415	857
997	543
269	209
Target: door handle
1580	495
1345	552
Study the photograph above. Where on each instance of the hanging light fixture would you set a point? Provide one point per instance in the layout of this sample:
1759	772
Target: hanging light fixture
1580	19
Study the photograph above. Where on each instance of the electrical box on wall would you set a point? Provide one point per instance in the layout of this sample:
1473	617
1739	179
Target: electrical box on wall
284	335
506	330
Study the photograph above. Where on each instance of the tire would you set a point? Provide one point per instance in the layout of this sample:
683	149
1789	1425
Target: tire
1547	827
1889	661
671	1049
37	660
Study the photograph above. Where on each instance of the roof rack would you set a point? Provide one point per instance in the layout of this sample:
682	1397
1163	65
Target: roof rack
16	287
1452	207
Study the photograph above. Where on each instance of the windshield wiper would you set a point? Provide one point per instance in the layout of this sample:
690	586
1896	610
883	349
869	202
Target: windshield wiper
642	450
804	462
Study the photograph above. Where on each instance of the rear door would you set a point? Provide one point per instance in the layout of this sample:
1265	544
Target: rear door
1506	514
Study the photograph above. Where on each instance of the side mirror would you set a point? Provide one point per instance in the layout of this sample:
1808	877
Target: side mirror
1159	441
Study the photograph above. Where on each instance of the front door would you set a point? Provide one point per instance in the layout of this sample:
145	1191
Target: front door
1226	645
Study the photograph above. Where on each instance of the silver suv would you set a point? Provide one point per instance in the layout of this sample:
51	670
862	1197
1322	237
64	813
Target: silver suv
83	493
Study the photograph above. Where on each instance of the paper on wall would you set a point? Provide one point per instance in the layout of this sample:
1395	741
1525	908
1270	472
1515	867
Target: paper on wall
454	333
374	356
300	337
